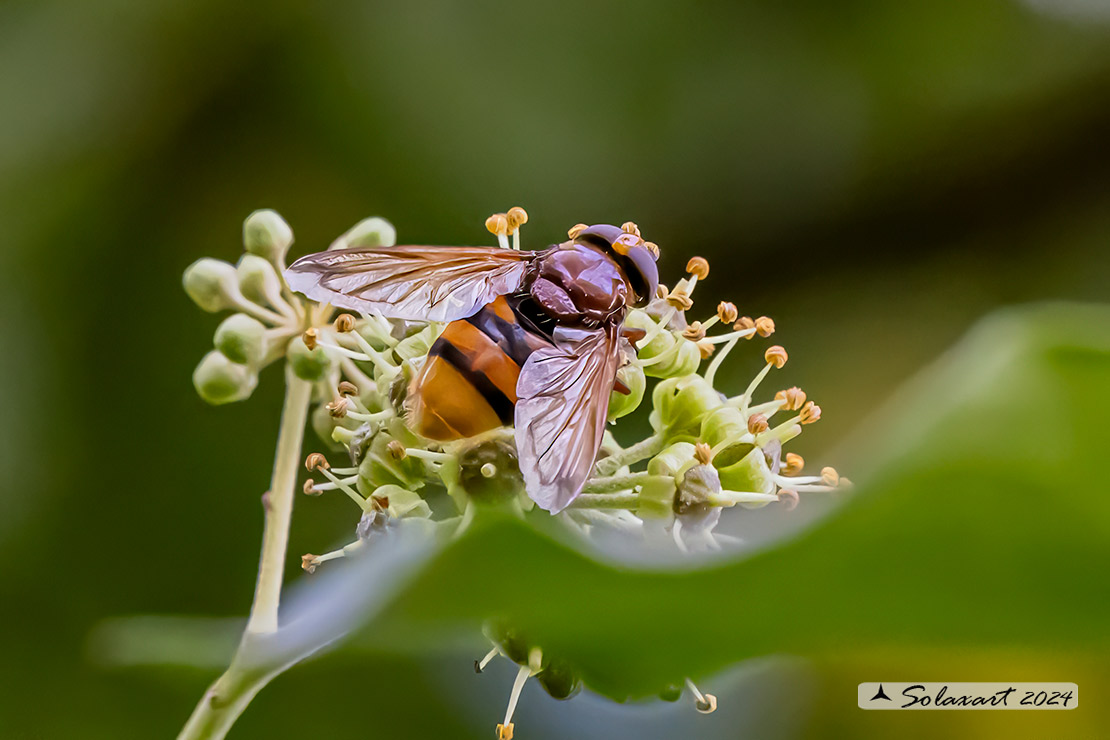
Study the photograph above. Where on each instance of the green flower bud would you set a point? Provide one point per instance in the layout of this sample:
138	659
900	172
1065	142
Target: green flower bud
418	344
559	679
379	466
242	339
258	280
403	502
266	234
752	474
681	356
660	343
510	640
212	284
680	404
371	232
308	364
621	404
218	380
722	429
657	494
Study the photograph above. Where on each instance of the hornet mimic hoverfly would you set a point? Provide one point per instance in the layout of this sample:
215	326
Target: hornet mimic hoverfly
533	339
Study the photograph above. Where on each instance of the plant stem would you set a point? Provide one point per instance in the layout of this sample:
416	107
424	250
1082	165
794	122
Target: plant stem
229	696
642	450
606	501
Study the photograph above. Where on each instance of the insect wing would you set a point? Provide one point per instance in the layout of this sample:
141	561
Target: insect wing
563	395
415	283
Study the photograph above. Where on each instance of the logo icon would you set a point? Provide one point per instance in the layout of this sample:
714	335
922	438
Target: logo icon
881	694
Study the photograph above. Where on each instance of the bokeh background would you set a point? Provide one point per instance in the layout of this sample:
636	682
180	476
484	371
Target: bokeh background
873	175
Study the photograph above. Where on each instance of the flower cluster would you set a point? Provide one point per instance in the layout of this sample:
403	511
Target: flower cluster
707	452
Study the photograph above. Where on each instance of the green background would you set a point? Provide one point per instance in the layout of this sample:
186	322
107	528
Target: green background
875	176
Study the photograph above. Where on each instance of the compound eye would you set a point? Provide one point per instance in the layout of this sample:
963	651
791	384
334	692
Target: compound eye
625	242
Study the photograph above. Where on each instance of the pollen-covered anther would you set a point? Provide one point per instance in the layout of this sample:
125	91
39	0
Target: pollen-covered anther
662	291
316	461
703	453
699	267
516	217
792	464
695	332
309	562
338	407
789	498
505	731
396	450
629	227
757	424
706	349
727	312
575	230
498	224
310	488
310	337
744	324
347	388
776	356
344	323
653	248
792	398
811	412
680	300
764	326
830	477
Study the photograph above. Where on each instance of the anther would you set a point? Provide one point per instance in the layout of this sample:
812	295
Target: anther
344	323
698	266
744	323
703	453
788	498
757	424
811	412
661	291
727	312
309	337
310	488
706	349
316	461
830	477
793	398
630	228
775	355
653	248
680	300
517	217
575	230
793	464
347	388
694	332
309	562
338	408
396	450
498	224
764	326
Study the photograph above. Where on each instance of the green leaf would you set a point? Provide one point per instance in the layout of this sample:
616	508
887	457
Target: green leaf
979	521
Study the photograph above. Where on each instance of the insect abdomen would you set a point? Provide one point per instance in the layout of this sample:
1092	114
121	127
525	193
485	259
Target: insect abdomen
468	383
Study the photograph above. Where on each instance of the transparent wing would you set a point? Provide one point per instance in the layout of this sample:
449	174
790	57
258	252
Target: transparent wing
415	283
563	395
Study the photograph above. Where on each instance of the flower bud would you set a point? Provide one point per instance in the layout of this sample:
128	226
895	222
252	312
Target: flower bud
266	234
308	364
680	404
212	284
242	339
622	404
370	232
257	279
218	380
724	429
380	468
751	474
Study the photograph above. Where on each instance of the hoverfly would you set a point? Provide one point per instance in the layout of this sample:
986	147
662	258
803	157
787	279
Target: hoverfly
533	339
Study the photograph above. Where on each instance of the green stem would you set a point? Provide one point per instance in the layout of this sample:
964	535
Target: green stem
607	501
615	483
642	450
229	696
